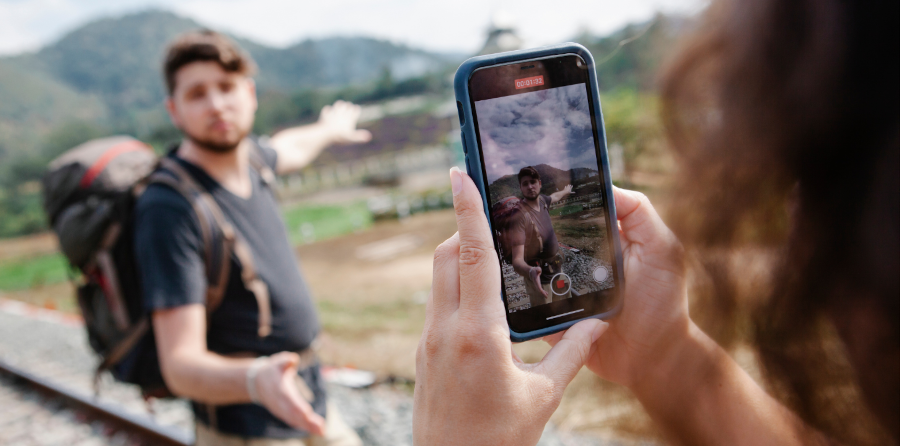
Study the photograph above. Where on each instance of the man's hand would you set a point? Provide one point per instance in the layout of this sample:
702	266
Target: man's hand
298	146
535	275
277	390
339	122
528	272
192	371
470	387
556	196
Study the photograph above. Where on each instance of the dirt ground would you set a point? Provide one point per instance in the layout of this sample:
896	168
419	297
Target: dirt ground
372	307
28	246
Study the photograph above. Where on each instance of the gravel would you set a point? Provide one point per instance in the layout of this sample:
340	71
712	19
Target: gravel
27	418
381	414
578	266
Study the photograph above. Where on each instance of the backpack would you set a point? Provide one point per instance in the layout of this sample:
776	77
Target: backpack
89	194
505	214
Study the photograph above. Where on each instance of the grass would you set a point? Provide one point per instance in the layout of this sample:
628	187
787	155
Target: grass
304	223
33	272
565	210
309	223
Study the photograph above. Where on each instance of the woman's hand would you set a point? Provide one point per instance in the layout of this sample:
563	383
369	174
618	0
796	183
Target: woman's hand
654	319
470	387
693	390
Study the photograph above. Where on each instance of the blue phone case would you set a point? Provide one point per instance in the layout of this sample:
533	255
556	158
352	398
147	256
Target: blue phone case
473	156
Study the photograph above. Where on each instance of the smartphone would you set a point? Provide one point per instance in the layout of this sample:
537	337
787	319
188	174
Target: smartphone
533	135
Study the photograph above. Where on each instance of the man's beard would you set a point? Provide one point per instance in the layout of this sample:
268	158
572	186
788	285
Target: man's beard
530	198
214	146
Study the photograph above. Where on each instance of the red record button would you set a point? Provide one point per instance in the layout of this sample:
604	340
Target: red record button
560	284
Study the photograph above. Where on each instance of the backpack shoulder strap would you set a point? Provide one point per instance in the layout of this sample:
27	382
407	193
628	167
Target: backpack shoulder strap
258	163
217	255
528	217
218	238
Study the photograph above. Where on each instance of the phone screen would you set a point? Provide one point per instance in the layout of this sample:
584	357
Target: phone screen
546	187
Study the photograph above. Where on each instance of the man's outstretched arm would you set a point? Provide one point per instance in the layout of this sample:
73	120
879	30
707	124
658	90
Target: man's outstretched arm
192	371
298	146
556	196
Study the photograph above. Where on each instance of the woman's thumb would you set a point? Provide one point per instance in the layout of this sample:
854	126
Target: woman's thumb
571	352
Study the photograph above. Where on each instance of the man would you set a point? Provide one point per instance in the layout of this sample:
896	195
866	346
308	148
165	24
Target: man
244	384
535	250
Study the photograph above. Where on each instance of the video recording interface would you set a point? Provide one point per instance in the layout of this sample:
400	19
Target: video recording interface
545	191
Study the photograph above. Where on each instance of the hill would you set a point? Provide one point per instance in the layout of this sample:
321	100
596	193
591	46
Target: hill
108	73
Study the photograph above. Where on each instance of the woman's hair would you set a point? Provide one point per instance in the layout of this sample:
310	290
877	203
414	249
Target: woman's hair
784	119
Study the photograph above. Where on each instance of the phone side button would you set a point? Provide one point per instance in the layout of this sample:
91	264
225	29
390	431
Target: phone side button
462	137
468	167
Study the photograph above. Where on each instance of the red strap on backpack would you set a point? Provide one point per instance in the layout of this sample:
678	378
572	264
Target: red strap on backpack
109	155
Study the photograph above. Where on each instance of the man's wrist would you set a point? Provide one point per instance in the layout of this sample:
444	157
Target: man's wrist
327	134
252	372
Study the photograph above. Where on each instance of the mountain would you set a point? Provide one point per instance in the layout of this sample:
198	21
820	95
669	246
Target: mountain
32	104
108	73
120	59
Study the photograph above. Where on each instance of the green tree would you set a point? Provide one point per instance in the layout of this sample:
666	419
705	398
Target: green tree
631	119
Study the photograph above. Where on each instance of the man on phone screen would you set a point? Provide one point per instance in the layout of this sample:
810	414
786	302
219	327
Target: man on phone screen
535	249
246	385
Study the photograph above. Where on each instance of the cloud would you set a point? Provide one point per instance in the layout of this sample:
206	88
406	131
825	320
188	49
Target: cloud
550	127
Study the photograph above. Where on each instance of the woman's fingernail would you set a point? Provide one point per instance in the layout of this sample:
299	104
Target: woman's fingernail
455	180
599	331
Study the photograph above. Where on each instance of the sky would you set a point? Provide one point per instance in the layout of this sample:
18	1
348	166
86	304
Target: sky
550	127
456	26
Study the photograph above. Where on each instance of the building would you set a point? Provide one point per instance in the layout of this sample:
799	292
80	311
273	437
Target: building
501	36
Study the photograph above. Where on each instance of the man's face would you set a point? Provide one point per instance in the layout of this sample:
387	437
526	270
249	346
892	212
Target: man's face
213	108
530	187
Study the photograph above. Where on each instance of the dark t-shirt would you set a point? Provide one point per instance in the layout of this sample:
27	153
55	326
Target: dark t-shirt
171	265
534	230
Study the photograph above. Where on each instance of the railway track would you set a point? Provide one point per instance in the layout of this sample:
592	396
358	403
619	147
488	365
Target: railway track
138	429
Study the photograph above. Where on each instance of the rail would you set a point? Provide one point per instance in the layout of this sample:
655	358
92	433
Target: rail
141	427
